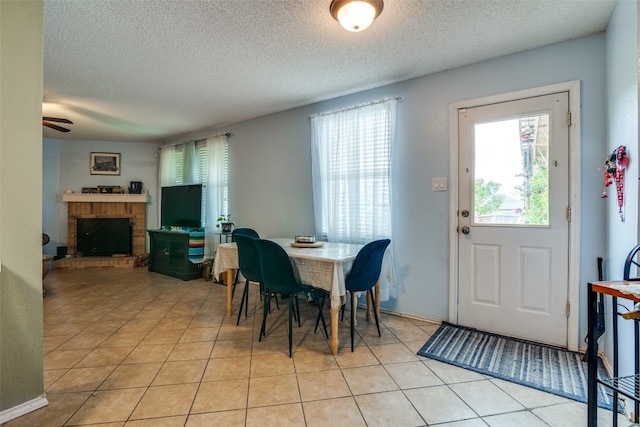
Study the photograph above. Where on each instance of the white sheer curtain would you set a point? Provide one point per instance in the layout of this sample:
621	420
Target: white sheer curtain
190	163
179	164
351	171
217	188
190	172
167	171
167	166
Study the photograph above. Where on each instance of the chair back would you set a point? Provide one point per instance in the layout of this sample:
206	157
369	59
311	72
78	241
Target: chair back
367	266
633	260
276	269
248	260
244	232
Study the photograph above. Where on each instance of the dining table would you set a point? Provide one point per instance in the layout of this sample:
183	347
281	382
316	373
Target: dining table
322	265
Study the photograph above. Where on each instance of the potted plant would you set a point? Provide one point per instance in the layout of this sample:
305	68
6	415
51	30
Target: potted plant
224	223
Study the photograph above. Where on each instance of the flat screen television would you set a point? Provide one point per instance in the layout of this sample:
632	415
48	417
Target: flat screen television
181	206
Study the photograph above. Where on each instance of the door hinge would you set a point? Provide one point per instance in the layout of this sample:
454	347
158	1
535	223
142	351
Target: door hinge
569	213
568	118
568	308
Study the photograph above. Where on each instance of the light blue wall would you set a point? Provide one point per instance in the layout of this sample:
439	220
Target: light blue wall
270	162
270	159
66	166
622	129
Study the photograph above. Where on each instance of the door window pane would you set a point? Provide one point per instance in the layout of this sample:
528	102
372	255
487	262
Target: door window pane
511	171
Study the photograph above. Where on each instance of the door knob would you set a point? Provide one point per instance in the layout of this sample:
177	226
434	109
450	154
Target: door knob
466	230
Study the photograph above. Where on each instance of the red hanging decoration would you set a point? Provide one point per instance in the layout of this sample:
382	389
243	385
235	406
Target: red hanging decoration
614	167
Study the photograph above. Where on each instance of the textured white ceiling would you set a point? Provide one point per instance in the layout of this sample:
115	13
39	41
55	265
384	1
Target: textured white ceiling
134	70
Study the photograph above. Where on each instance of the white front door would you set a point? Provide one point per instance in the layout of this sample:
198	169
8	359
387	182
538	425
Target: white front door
513	231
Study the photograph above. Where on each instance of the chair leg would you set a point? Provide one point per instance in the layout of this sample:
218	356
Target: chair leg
244	302
263	291
234	283
375	312
315	328
297	307
246	299
265	311
320	300
275	297
354	301
295	313
291	310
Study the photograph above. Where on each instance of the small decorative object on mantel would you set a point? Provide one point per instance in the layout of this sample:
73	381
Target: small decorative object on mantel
224	223
105	164
614	166
136	187
90	190
109	189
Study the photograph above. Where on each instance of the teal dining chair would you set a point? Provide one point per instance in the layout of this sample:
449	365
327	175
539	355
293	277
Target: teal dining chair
244	232
249	266
254	234
278	278
241	232
363	276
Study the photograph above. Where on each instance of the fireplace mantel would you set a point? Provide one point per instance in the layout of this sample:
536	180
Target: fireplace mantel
105	198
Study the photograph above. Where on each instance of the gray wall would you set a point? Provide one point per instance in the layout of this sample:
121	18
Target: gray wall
271	183
21	347
270	162
622	129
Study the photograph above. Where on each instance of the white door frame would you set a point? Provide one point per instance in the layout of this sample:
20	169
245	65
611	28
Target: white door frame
573	291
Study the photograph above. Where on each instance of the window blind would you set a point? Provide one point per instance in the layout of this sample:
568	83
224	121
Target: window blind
351	156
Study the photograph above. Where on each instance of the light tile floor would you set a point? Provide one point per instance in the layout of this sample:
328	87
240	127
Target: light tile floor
132	348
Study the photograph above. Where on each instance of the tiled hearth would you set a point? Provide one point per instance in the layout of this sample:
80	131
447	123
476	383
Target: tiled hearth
95	261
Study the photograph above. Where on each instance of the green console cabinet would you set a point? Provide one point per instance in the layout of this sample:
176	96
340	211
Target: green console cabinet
170	255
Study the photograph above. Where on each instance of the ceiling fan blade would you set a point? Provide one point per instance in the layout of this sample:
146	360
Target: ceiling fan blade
56	127
58	120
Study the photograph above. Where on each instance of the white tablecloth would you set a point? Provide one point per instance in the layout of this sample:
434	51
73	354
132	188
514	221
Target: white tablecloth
324	267
628	289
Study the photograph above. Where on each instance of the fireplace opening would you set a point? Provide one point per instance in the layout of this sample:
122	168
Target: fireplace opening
103	236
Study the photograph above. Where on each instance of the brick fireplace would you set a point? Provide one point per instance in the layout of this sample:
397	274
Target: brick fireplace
97	206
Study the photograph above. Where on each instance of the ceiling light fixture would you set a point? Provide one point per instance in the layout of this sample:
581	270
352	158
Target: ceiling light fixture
355	15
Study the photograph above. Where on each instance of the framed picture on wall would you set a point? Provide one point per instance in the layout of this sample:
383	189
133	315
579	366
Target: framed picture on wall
105	164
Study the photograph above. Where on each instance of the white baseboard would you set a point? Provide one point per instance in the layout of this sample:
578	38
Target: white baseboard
23	408
411	316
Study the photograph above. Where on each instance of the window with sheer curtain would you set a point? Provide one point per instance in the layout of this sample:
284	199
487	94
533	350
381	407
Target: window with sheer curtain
200	162
351	168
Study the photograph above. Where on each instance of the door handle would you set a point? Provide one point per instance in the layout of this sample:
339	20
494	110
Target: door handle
465	230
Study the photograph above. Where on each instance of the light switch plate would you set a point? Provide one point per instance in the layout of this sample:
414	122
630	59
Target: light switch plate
439	184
